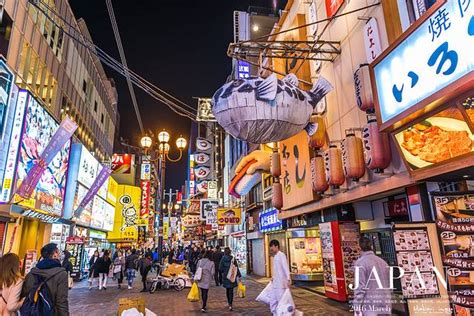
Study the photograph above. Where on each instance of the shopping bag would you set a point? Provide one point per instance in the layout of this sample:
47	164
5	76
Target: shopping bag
241	290
198	274
193	295
266	296
286	306
232	274
117	268
298	312
70	281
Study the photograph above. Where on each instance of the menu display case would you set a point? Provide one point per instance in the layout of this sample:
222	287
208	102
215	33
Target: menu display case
305	255
412	246
455	221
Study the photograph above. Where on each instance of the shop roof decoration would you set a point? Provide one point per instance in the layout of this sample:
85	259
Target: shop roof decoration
267	110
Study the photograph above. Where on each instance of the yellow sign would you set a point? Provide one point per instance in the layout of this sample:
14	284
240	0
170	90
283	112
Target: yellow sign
166	228
229	216
126	213
112	191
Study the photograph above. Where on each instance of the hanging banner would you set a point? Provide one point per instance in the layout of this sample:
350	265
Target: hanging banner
166	226
372	42
59	139
145	205
203	144
229	216
211	218
98	182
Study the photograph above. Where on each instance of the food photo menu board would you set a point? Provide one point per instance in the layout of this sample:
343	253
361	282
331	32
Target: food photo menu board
455	223
329	265
350	234
412	247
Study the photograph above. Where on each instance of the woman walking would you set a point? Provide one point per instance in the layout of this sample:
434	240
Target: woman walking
66	264
103	268
207	275
93	274
119	267
11	283
224	267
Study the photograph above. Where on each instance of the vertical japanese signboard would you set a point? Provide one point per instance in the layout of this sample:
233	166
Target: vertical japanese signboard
145	205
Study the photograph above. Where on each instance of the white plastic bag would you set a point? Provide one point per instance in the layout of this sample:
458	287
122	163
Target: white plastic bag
131	312
286	306
198	274
298	313
266	296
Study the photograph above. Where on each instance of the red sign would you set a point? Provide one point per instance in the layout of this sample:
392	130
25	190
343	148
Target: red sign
145	206
179	198
121	163
332	6
397	207
74	240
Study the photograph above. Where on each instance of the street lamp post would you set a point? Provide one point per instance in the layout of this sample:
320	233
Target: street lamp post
163	150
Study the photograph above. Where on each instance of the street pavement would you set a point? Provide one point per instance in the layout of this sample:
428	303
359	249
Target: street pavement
83	301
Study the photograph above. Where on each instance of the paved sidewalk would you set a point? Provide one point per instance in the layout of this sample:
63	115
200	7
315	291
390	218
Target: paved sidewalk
85	302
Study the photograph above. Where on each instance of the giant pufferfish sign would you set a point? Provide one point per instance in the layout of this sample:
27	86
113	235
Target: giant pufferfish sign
267	110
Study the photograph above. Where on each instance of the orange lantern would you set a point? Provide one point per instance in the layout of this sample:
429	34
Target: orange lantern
277	195
333	166
275	164
377	150
318	139
318	174
353	157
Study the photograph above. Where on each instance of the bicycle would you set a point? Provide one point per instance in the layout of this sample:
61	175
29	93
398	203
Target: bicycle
166	283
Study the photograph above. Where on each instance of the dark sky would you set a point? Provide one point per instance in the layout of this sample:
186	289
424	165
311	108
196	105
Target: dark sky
180	46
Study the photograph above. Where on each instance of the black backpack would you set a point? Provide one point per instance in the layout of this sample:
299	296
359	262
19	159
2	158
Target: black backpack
39	299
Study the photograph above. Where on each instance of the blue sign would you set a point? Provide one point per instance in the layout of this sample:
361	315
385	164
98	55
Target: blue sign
435	55
243	69
269	221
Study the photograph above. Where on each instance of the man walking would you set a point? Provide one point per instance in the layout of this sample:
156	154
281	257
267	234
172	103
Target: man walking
281	274
49	268
130	267
216	258
370	298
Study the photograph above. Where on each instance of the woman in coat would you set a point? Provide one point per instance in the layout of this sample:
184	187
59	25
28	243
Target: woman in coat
224	268
93	274
119	267
103	268
207	275
11	283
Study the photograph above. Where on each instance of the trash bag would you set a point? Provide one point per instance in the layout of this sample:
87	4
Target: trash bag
266	296
286	306
193	295
241	290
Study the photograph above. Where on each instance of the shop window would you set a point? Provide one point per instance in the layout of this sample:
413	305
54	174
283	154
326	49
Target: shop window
306	255
5	32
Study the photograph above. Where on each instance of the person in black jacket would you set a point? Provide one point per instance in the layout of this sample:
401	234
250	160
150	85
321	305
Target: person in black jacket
93	274
224	267
103	268
130	267
216	258
66	264
144	265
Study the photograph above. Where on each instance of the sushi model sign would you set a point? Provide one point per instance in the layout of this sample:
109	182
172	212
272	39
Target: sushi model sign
229	216
267	110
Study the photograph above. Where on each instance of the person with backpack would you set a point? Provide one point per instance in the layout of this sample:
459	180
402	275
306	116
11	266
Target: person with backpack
52	298
228	262
103	268
144	265
130	267
11	283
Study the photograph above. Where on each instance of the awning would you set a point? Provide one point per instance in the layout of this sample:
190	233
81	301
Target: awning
14	210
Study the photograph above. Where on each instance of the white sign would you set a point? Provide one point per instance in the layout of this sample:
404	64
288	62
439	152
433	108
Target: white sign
212	189
88	166
145	171
435	55
211	218
372	43
207	206
9	174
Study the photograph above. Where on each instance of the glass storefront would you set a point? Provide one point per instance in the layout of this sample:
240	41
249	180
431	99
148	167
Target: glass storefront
305	255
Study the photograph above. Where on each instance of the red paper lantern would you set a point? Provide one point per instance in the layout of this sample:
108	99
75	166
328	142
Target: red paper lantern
275	164
377	150
277	195
333	165
318	174
318	139
353	157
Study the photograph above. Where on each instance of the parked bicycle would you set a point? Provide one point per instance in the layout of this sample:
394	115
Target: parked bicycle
165	283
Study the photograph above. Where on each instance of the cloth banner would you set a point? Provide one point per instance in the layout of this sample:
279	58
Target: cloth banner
98	182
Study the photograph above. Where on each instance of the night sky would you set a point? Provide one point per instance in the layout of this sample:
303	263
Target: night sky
180	46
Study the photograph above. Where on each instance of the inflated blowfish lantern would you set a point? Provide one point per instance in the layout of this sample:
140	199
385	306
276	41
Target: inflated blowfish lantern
267	110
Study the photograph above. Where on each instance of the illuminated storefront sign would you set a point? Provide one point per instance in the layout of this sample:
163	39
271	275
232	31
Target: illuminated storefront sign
126	213
243	69
121	163
269	221
6	80
229	216
145	205
145	173
429	60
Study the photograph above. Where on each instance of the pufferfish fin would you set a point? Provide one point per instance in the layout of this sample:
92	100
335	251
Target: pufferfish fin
291	78
319	90
311	128
267	89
